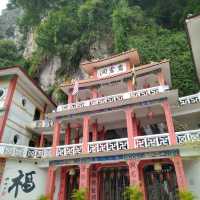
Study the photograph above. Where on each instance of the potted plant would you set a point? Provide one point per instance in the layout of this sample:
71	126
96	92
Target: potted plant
43	197
79	194
133	193
186	195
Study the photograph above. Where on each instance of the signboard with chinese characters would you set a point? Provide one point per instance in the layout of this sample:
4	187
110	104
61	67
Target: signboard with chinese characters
22	180
111	70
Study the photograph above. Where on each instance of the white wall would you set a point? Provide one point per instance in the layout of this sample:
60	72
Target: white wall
11	171
19	116
192	170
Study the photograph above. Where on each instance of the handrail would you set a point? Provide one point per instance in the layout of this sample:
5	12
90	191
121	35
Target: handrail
11	150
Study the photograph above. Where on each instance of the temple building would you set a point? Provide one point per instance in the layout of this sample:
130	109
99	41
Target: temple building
122	126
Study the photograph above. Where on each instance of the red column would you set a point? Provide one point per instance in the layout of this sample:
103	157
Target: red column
62	192
76	136
94	93
7	104
51	171
134	172
169	121
85	133
94	132
84	178
70	97
130	85
50	189
180	174
42	140
68	134
161	79
135	126
129	123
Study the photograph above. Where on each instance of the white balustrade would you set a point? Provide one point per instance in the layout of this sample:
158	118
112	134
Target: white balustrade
188	136
10	150
191	99
152	140
108	145
113	98
42	124
68	150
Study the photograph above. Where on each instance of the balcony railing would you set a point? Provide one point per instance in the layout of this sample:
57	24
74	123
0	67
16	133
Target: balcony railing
152	140
113	98
191	99
10	150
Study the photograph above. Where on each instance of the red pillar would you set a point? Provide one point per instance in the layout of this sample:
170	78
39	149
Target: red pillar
51	171
94	93
180	174
50	188
62	192
42	140
135	126
70	98
7	104
84	178
129	123
85	133
161	79
68	134
169	121
94	132
130	85
134	172
76	136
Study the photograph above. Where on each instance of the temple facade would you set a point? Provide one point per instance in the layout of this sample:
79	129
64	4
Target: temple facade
122	126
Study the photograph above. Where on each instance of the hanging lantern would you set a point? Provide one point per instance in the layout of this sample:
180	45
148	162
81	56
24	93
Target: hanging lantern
157	167
72	172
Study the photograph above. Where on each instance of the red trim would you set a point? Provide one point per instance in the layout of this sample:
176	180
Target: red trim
7	104
68	134
86	120
41	140
56	137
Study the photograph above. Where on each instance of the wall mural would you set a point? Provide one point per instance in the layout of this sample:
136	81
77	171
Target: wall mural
21	182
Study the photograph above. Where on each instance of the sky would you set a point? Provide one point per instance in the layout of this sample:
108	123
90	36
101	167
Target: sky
3	5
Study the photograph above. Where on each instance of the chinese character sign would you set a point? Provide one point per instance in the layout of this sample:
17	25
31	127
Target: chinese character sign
111	70
23	181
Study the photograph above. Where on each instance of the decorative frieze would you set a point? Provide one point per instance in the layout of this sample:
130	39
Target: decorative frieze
113	98
191	99
147	141
108	145
152	140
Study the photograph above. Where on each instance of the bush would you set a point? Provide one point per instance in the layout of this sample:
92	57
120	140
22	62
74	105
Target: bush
186	195
43	197
133	193
79	194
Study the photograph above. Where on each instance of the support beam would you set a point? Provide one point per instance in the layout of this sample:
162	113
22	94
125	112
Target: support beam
68	134
62	192
56	137
84	178
94	132
94	92
76	136
161	79
50	188
7	104
134	172
169	121
85	133
42	140
180	174
129	123
70	98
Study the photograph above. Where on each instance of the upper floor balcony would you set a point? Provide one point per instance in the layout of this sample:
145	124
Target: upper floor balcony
115	145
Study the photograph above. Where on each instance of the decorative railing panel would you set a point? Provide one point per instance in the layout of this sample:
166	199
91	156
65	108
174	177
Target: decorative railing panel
113	98
69	150
108	145
152	140
191	99
188	136
42	124
10	150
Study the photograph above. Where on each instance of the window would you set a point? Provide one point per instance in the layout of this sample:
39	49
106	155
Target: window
37	114
2	93
15	139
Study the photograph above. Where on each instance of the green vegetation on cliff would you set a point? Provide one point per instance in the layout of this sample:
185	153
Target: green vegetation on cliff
70	29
